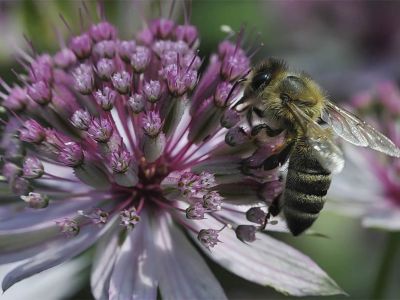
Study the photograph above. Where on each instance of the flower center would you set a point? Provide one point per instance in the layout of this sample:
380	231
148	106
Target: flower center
148	189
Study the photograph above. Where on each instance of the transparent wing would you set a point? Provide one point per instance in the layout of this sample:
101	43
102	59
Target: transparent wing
352	129
320	140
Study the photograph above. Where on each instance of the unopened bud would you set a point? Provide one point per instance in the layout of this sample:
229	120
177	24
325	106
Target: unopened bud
36	200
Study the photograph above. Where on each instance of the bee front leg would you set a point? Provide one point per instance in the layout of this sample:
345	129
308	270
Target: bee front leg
270	132
279	158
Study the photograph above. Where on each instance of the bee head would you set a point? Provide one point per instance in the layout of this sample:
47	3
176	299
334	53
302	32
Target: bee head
262	75
270	86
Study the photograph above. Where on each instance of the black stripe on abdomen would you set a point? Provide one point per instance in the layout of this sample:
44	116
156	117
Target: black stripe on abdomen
306	186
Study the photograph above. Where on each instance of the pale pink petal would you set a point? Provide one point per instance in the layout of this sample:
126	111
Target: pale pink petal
385	216
268	261
183	273
134	275
53	256
103	263
46	285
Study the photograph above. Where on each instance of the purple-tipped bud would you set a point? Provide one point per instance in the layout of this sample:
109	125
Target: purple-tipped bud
122	82
145	36
208	237
71	155
169	50
207	180
152	91
32	168
226	48
32	132
100	130
81	45
68	227
103	31
272	189
236	136
188	184
20	186
120	161
230	118
84	79
36	200
256	215
151	124
190	79
175	82
222	92
187	33
140	59
40	92
97	216
234	66
41	69
105	49
195	211
106	98
212	201
129	218
246	233
81	119
11	171
179	81
126	49
17	99
136	103
64	58
162	28
105	68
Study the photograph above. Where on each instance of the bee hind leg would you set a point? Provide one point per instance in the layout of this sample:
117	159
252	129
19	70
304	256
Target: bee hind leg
273	210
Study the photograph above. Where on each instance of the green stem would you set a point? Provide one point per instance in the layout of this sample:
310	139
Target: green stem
386	264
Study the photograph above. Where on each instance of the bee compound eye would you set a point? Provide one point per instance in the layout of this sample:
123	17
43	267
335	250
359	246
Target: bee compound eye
261	79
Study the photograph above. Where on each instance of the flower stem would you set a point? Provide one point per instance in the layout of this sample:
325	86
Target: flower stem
386	264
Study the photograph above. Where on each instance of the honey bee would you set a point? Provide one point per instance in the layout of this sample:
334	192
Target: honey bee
281	99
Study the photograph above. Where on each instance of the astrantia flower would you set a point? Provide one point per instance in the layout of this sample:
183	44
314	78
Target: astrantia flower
378	201
122	148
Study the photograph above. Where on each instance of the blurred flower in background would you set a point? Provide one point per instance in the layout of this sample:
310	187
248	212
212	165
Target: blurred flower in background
370	186
123	145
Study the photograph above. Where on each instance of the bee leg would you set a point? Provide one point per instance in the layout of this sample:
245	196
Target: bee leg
273	210
280	158
256	129
249	117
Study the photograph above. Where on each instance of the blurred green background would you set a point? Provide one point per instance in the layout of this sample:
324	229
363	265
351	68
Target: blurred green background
347	46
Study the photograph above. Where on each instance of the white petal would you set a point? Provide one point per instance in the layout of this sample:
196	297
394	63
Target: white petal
183	273
134	274
42	286
268	261
54	256
356	188
386	217
103	263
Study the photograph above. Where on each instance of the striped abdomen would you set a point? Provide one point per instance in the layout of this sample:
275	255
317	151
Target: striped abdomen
307	183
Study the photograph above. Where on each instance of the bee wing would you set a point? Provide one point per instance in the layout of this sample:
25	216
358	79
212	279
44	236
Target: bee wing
325	151
356	131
